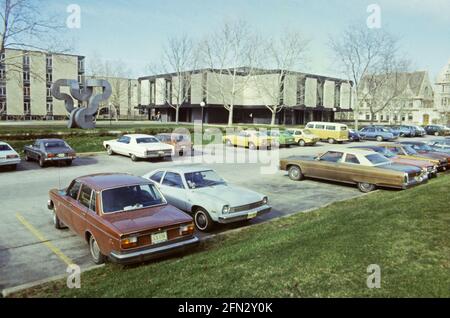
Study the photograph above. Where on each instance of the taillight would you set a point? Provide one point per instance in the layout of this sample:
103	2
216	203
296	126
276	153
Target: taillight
187	229
51	155
129	242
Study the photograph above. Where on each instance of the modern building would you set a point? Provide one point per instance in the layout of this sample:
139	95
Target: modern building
25	81
442	94
412	102
123	101
304	97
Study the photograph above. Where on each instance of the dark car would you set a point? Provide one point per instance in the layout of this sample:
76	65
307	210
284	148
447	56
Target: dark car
353	135
404	131
423	148
47	151
418	131
377	133
437	130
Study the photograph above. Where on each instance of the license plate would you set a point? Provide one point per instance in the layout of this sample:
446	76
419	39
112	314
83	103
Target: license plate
252	215
159	238
61	155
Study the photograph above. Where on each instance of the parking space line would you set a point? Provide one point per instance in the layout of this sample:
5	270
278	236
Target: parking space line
43	240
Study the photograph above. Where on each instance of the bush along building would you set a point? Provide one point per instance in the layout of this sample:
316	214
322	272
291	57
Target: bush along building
252	96
25	81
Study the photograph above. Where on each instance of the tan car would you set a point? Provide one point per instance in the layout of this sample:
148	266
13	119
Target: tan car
367	169
182	143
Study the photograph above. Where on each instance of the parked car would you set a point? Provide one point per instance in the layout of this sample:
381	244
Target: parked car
390	129
367	169
331	132
407	152
251	139
354	135
418	131
377	133
182	143
423	148
440	145
437	130
303	137
122	217
210	199
139	147
281	138
46	151
404	131
9	158
426	166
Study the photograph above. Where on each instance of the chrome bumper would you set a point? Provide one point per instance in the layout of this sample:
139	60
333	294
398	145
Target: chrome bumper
9	162
244	215
60	159
153	252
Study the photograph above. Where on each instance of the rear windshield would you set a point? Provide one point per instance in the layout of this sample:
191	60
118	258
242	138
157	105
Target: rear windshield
131	198
55	144
5	148
149	140
377	159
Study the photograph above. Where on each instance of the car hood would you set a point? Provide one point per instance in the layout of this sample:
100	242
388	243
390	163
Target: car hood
401	168
147	219
230	195
435	155
412	162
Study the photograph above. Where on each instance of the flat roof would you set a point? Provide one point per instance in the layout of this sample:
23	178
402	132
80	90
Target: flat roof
104	181
44	52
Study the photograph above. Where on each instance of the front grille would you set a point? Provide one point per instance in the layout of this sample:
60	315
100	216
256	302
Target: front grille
247	207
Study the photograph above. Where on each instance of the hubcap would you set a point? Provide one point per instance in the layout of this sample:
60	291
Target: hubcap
202	221
295	173
95	250
365	186
54	218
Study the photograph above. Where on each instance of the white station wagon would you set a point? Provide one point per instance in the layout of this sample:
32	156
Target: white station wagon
8	156
139	147
209	198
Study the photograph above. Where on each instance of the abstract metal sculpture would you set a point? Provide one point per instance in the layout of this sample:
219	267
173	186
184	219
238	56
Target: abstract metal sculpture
82	117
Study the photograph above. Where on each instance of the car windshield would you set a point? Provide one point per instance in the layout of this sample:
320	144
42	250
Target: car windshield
131	198
307	132
203	179
55	144
376	159
147	140
422	147
409	150
5	148
386	152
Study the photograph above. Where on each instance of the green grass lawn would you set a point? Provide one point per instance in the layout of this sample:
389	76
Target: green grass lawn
321	254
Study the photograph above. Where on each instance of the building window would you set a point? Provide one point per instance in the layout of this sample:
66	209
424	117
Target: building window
26	60
49	61
320	90
152	93
2	74
301	84
381	117
2	90
26	108
26	91
26	76
367	116
337	95
81	65
3	109
444	102
168	91
49	77
49	92
49	108
410	117
2	57
80	79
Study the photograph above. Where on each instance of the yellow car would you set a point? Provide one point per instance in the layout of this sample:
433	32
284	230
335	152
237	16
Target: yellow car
304	137
250	139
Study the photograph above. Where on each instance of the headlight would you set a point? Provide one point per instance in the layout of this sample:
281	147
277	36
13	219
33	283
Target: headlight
265	200
129	242
226	209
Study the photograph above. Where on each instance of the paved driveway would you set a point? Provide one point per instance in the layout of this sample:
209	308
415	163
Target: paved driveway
32	250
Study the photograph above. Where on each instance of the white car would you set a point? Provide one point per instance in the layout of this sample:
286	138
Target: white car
204	194
139	147
8	156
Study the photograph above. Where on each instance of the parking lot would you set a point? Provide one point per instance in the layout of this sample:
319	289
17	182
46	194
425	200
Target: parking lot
32	250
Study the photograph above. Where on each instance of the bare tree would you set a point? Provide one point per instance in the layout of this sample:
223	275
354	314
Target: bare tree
230	53
362	51
179	59
284	55
117	73
24	27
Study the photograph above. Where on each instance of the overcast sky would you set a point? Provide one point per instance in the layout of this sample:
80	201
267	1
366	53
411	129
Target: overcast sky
135	30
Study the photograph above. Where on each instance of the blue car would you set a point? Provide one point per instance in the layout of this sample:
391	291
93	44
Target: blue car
353	135
404	131
440	145
377	133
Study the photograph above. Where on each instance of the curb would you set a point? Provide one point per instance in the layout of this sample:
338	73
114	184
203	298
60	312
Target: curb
13	290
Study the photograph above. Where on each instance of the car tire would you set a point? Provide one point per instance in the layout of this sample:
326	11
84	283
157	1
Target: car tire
69	163
109	151
57	222
203	221
96	254
252	146
331	141
366	187
301	143
295	173
379	138
134	158
26	157
41	162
